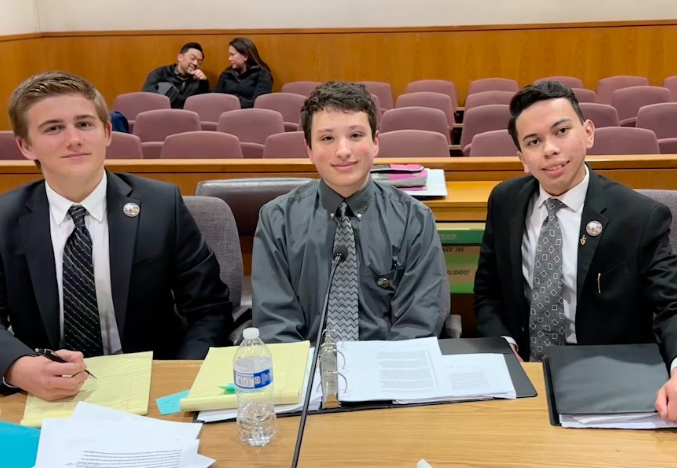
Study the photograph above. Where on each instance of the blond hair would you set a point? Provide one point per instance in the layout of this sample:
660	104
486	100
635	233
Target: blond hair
49	84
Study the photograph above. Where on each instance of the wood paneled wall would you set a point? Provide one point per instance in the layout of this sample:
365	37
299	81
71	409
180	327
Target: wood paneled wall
118	62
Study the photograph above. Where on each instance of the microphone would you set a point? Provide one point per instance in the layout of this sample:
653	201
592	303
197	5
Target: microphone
339	255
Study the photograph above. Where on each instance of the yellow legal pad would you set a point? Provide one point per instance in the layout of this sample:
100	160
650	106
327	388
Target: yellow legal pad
122	382
289	371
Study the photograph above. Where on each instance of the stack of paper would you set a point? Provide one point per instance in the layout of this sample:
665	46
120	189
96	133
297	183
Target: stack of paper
122	382
101	437
289	370
415	371
617	421
315	400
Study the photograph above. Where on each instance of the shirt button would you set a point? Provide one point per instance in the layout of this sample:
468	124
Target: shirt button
331	215
522	329
359	215
383	282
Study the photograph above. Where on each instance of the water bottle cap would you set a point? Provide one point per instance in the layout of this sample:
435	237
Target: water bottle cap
250	333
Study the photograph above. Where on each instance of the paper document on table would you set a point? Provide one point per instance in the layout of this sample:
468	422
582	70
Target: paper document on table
471	377
616	421
122	382
390	370
423	464
289	370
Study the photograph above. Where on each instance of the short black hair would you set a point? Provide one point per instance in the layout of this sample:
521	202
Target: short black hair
191	45
337	95
530	95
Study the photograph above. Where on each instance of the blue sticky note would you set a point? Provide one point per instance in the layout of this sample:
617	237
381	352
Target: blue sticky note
170	404
19	445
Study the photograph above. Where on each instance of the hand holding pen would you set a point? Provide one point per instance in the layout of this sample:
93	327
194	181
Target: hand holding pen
52	356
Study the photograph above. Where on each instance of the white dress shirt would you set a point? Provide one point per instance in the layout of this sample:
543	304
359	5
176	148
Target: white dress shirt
61	226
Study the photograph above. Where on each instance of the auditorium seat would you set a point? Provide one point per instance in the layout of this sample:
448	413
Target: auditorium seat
304	88
494	143
669	199
671	83
624	140
285	145
585	95
252	127
486	98
415	118
8	147
383	90
132	104
210	106
156	125
483	119
662	120
602	115
570	81
607	86
412	144
217	224
201	145
434	86
431	100
493	84
287	104
124	146
628	101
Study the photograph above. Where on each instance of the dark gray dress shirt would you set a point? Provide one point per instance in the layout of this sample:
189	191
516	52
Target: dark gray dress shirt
403	290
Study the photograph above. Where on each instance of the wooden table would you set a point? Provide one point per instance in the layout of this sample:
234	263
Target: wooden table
508	434
643	171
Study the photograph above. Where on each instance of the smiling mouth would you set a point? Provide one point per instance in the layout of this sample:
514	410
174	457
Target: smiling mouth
556	168
75	155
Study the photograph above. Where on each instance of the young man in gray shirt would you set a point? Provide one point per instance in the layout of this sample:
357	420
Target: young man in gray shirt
392	285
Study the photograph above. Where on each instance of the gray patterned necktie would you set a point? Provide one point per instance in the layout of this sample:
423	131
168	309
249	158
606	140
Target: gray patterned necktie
343	298
81	321
546	317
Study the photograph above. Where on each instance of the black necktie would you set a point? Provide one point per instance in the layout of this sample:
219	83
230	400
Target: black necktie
81	321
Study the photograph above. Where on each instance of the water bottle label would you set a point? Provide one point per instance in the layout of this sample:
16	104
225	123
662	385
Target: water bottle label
253	381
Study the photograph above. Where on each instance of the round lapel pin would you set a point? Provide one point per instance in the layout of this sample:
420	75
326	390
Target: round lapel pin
131	210
594	228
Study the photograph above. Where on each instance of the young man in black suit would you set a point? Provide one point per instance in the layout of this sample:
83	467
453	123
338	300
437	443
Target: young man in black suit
568	255
94	262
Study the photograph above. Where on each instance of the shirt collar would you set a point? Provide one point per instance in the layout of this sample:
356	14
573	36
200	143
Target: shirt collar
573	199
357	202
95	203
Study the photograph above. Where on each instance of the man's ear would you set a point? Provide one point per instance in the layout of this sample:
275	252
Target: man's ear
25	148
522	160
376	144
589	127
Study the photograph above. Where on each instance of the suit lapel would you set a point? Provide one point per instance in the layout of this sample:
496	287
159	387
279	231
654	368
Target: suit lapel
37	242
122	240
594	206
517	225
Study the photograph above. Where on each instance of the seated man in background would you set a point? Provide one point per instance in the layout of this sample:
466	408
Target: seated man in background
393	284
94	262
182	79
568	255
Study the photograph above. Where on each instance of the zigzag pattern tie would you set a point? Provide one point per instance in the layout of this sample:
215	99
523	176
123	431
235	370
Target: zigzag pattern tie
81	321
546	317
342	315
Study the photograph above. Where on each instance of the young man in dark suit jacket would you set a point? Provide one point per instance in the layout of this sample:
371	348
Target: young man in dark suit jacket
568	255
94	262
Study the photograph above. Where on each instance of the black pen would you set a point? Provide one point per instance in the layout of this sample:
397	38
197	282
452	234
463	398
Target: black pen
52	356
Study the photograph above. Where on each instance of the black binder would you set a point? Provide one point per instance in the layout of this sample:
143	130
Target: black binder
611	379
522	384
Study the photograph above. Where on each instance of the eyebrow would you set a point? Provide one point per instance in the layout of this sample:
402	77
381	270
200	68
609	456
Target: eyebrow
352	127
58	121
556	124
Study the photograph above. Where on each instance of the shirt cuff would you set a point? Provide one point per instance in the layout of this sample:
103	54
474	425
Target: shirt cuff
673	365
4	382
514	343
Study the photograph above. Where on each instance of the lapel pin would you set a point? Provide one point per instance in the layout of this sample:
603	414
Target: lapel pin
131	210
594	228
583	240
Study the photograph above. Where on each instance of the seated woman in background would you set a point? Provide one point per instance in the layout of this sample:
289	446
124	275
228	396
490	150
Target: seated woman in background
248	76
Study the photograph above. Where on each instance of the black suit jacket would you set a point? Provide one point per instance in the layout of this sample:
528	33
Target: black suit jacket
632	254
159	265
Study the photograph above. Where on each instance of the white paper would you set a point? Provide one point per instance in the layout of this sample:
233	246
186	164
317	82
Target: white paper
423	464
616	421
390	370
471	377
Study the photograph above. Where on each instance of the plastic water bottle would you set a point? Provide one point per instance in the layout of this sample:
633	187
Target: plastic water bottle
253	378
